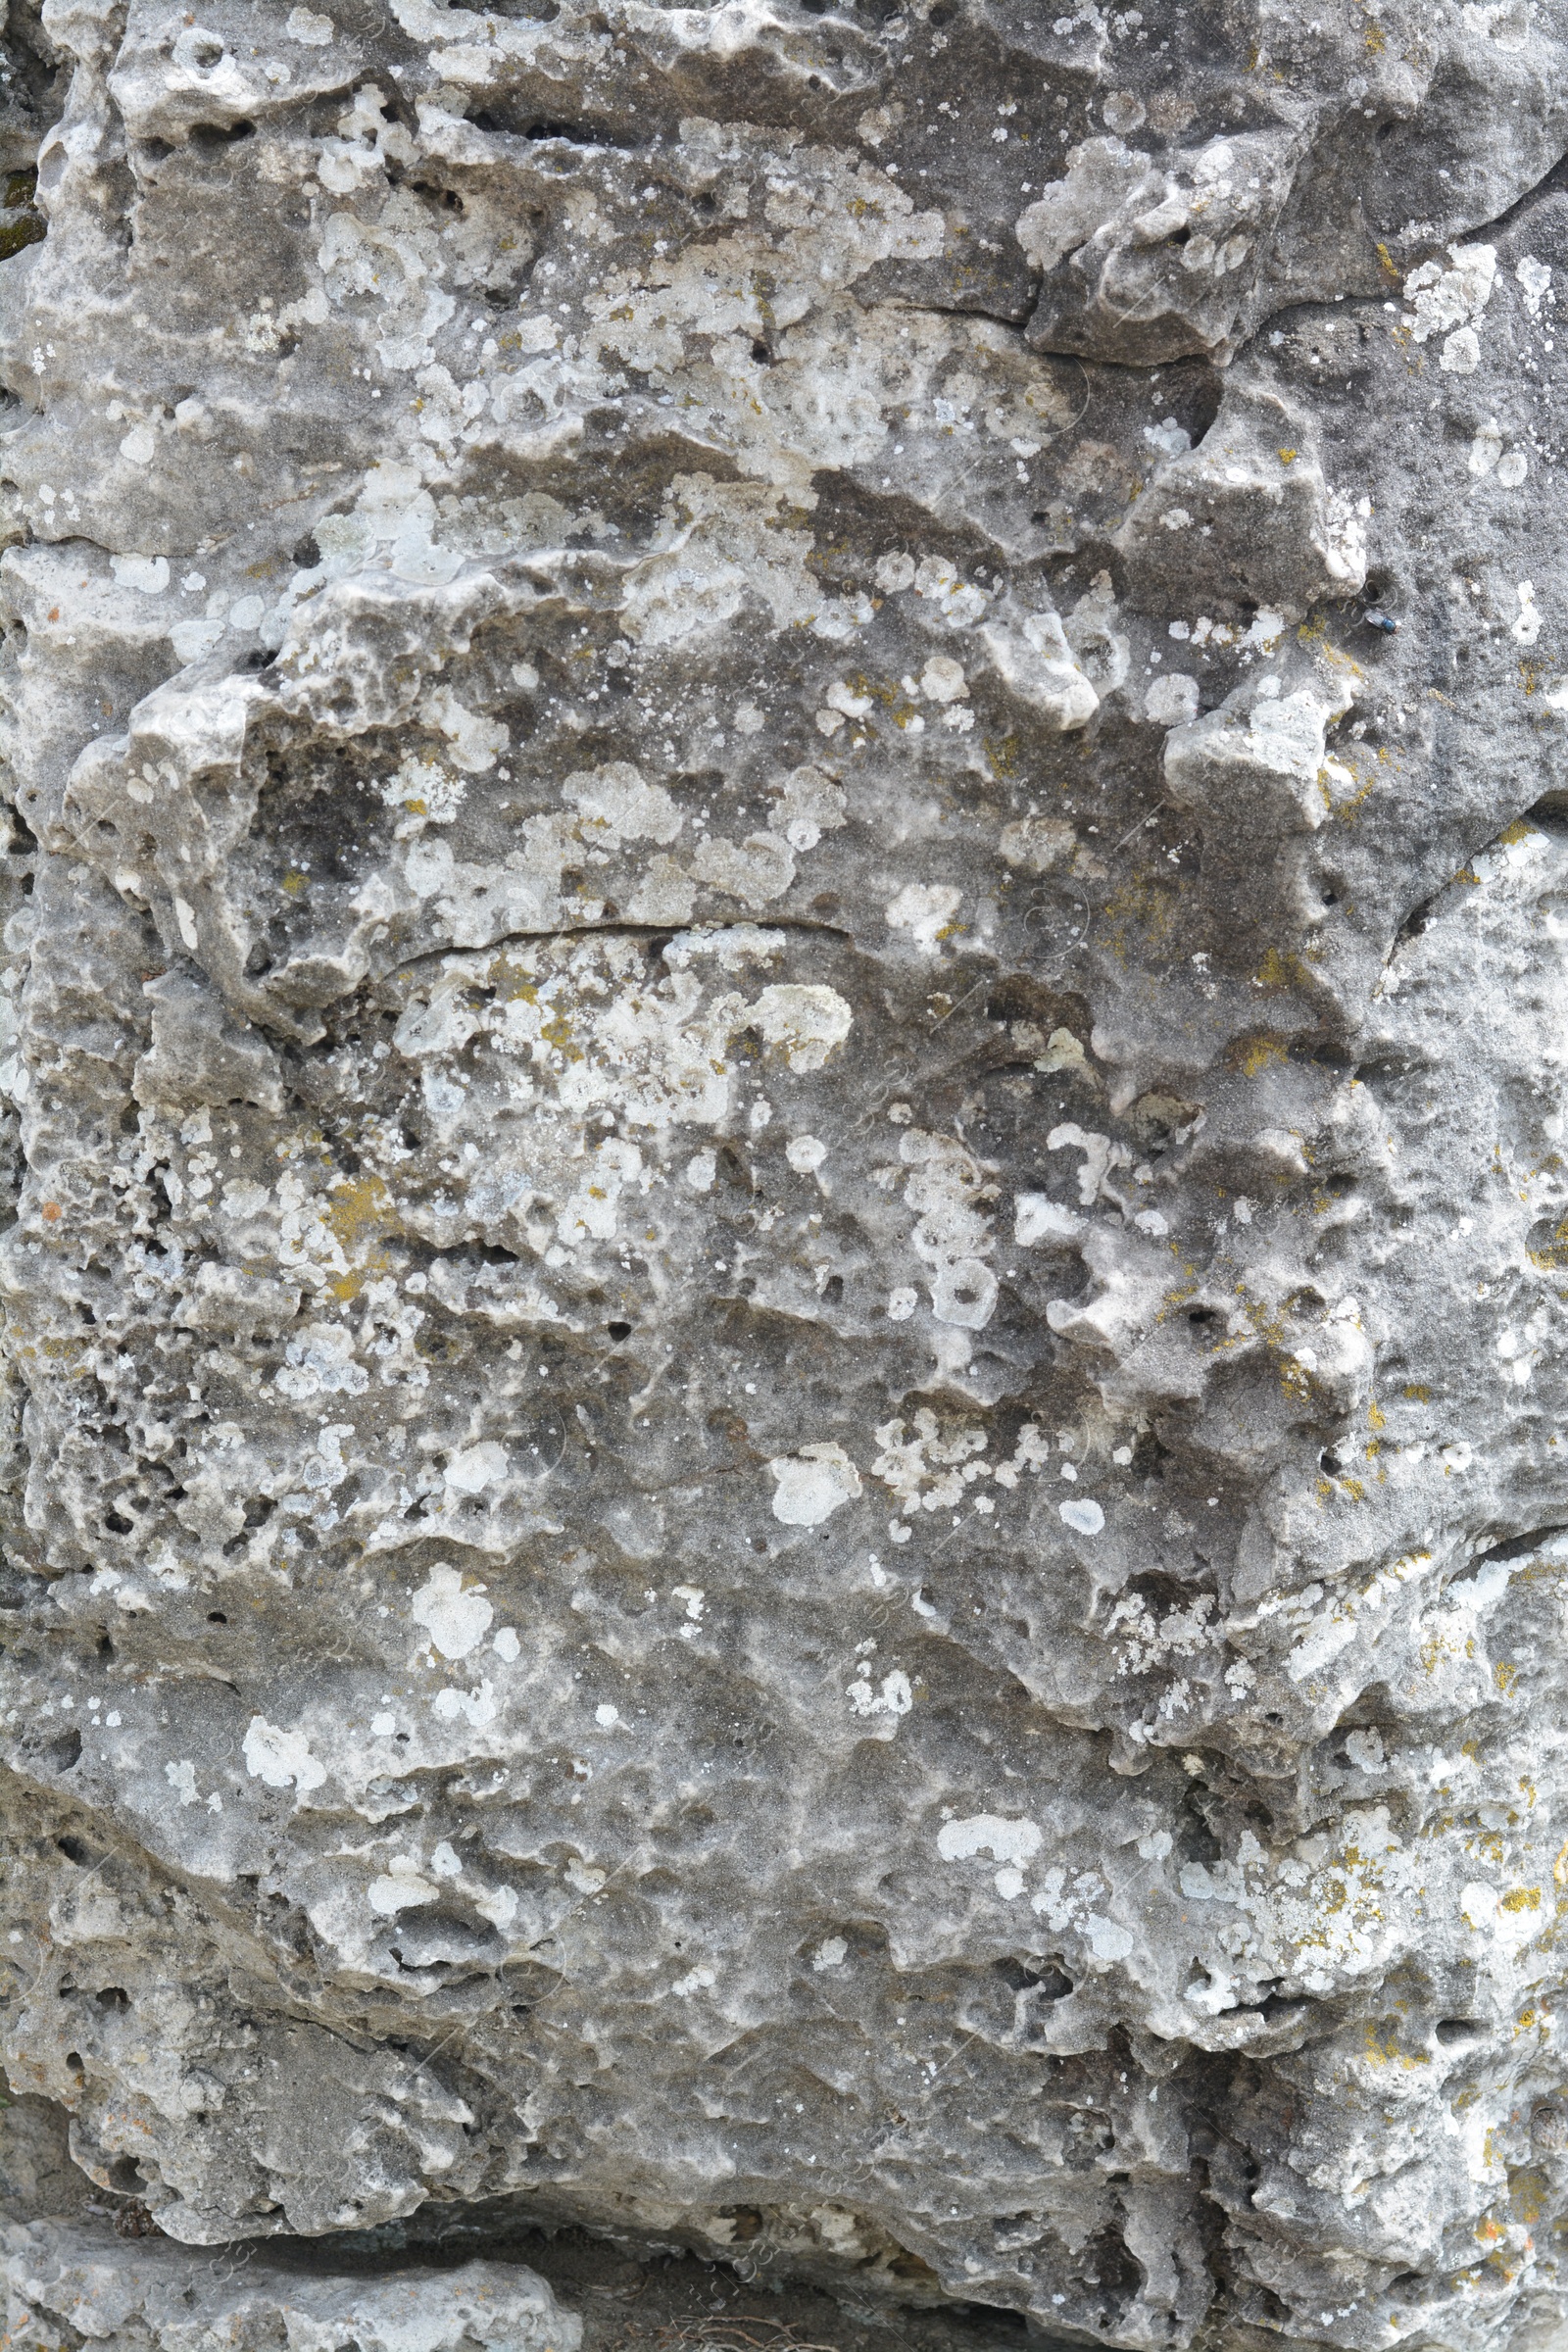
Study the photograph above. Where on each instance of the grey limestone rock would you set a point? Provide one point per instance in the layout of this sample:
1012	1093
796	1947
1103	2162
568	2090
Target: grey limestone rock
785	1425
151	2296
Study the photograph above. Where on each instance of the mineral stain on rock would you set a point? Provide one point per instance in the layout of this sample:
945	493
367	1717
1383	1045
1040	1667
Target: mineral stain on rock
785	1430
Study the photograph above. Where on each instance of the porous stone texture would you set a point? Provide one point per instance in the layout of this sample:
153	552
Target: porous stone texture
786	1448
152	2297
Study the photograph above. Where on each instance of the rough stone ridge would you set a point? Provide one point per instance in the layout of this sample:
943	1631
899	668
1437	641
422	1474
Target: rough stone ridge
785	1428
152	2297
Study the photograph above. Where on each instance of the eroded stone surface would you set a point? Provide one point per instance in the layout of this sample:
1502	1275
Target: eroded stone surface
135	2297
785	1423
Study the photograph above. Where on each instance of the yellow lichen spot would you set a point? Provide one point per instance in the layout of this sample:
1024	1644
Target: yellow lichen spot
1281	972
1376	1417
1520	830
360	1207
1256	1056
1504	1676
1523	1898
1552	1259
1286	457
1418	1393
294	882
1527	2193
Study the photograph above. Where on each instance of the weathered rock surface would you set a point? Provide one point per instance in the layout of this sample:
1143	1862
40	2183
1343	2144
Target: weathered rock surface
139	2297
786	1431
